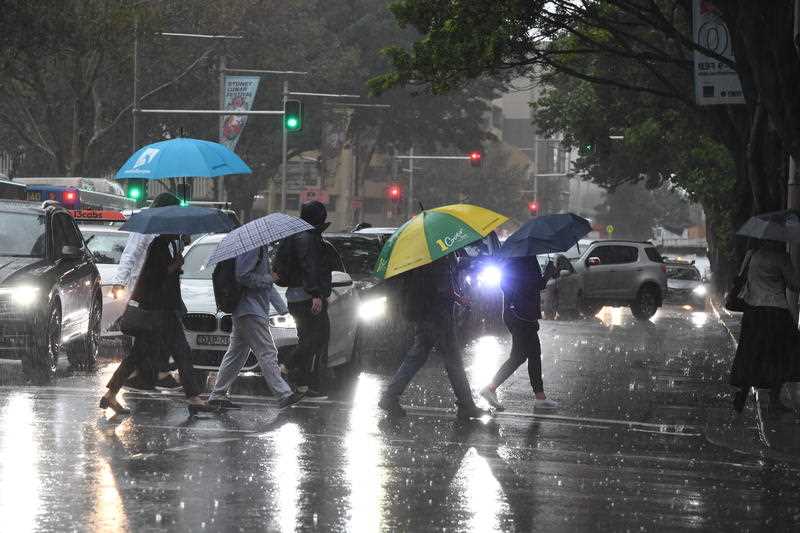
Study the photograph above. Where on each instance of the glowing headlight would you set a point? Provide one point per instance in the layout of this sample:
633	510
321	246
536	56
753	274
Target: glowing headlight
700	290
490	276
372	309
24	295
282	321
117	293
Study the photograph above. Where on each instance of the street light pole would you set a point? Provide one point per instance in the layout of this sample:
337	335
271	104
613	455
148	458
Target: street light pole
135	103
220	183
284	148
410	181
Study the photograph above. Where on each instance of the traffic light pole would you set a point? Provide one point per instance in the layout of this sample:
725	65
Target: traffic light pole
284	148
411	157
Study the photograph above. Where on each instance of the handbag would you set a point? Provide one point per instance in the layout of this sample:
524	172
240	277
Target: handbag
733	300
136	321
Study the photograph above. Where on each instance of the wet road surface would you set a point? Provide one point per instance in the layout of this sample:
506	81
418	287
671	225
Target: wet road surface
644	440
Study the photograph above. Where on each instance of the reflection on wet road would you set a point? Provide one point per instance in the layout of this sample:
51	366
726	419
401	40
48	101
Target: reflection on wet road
628	449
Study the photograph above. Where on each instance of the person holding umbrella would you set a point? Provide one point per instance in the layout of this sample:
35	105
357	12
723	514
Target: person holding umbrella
250	303
153	314
521	284
768	353
422	251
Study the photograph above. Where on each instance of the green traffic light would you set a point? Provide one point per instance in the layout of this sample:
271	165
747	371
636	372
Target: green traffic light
134	193
292	123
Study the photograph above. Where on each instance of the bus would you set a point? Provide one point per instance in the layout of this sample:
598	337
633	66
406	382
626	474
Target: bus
11	190
78	193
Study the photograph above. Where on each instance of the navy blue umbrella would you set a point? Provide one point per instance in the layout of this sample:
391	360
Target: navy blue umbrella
546	234
178	220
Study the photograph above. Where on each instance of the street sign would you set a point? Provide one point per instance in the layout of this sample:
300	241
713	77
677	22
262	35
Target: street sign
610	230
310	194
714	81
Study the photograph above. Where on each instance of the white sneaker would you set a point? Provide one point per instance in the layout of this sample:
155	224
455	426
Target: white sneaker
490	396
545	404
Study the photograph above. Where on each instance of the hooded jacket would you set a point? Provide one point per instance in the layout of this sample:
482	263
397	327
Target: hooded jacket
311	276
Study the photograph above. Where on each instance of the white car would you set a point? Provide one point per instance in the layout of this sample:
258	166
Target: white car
208	330
106	244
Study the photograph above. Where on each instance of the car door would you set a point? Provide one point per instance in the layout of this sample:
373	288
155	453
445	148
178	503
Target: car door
342	310
623	274
75	276
596	283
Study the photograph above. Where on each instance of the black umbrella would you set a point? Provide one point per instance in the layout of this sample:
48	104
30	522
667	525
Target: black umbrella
177	220
776	226
546	234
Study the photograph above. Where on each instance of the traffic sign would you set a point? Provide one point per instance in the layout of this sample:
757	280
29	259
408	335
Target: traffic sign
610	230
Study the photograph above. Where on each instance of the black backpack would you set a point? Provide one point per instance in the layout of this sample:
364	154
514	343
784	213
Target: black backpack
227	290
284	265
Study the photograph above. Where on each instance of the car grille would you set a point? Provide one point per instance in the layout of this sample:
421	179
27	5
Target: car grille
200	322
14	330
226	323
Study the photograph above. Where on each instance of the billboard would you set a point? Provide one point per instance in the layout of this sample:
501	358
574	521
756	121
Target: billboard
714	81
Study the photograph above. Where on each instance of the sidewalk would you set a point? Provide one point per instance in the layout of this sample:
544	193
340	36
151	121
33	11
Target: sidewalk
756	430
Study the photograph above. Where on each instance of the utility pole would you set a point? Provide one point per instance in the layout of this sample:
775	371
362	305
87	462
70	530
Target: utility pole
220	183
135	103
410	207
284	148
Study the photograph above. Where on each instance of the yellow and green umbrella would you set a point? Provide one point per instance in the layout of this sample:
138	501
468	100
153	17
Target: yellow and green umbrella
432	234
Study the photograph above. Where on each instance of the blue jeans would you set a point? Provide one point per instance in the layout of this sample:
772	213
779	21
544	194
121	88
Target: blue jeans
435	330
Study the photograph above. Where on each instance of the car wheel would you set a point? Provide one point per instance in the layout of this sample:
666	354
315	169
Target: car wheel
40	361
646	303
83	353
588	308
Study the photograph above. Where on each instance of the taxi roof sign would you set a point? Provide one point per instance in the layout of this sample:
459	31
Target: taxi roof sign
97	215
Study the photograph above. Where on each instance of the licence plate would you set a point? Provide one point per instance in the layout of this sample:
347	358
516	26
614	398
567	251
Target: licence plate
213	340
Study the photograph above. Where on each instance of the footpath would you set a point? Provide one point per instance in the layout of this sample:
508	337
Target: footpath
758	430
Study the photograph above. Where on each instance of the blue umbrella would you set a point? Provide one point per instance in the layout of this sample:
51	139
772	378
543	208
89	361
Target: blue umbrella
182	158
177	220
546	234
259	232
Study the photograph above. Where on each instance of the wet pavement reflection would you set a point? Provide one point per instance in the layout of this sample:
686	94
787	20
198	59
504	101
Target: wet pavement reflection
644	439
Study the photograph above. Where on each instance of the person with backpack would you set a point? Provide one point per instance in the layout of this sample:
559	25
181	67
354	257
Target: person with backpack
302	267
243	286
429	294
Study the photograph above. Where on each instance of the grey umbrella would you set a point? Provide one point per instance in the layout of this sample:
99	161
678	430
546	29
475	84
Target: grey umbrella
259	232
776	226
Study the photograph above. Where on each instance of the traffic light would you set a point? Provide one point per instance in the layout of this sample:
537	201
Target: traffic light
533	208
394	193
184	193
293	115
475	158
586	148
136	190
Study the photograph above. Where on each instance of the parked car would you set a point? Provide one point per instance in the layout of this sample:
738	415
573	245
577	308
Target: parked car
107	244
208	329
614	273
685	285
50	296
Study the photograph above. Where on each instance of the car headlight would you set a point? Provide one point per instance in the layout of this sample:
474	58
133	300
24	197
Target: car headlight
372	309
490	276
282	321
23	295
700	290
117	293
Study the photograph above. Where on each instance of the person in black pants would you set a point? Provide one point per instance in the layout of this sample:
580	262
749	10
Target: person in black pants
522	283
307	275
158	291
429	295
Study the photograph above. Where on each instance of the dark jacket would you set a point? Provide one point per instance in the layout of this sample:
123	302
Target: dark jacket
155	287
429	290
522	283
308	265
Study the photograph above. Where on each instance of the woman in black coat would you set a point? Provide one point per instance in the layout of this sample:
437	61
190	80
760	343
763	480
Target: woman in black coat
158	291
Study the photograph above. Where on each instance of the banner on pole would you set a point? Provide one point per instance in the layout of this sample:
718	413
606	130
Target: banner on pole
240	92
714	81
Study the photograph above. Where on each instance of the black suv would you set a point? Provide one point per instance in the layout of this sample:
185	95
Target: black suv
50	295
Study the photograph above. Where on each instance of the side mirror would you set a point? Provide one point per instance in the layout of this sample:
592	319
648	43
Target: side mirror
71	252
341	279
593	262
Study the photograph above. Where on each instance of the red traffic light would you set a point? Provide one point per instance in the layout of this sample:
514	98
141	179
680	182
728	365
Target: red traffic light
475	158
394	192
70	196
533	206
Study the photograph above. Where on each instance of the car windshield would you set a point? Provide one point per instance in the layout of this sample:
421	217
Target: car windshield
683	273
22	234
359	255
107	247
194	262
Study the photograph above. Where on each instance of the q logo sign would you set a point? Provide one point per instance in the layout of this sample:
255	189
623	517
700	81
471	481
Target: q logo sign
450	241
